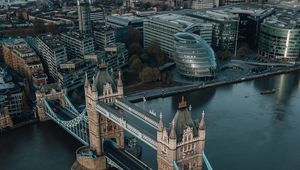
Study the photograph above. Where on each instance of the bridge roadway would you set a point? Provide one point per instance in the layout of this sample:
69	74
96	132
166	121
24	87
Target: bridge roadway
117	117
122	158
138	112
62	113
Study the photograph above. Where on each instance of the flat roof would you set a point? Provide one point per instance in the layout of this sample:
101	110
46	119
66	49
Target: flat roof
178	20
51	41
287	20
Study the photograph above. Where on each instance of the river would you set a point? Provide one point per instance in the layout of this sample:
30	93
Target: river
245	130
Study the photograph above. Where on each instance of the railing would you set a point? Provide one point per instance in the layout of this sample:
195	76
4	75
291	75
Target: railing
135	111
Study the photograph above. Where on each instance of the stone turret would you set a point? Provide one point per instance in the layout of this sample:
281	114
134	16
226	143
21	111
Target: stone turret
183	143
120	84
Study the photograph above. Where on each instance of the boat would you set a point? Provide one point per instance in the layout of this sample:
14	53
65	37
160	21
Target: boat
270	91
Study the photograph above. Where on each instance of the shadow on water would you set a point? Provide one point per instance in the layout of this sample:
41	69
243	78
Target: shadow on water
197	99
285	85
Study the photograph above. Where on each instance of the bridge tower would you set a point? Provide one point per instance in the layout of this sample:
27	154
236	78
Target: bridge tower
182	145
48	92
104	88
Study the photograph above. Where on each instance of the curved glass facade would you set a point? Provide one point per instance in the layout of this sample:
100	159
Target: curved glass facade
279	42
194	58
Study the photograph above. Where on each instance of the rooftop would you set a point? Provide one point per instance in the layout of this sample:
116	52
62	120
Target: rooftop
77	35
178	20
286	20
51	41
217	14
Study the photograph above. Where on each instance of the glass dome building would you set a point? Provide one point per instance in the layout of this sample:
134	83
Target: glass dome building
193	57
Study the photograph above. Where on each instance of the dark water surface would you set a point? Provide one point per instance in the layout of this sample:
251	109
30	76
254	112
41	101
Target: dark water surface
42	146
245	130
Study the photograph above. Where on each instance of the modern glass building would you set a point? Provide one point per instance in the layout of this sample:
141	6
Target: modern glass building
225	28
161	29
194	58
280	38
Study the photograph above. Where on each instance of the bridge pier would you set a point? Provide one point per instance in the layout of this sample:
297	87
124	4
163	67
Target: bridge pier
87	160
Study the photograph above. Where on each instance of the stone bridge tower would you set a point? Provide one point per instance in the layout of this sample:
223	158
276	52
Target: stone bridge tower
183	143
104	88
48	92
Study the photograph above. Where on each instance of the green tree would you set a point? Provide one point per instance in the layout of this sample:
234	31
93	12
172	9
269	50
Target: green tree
135	48
149	74
132	36
224	55
136	65
154	52
244	49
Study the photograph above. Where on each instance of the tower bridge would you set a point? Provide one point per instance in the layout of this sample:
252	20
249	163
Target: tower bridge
180	145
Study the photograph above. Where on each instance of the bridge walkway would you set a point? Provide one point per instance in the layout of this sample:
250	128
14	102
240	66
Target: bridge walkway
122	158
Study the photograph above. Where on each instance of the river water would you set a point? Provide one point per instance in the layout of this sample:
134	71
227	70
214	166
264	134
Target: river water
245	130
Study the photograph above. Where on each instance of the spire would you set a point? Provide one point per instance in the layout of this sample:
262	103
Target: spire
202	122
87	82
173	133
94	86
120	83
160	127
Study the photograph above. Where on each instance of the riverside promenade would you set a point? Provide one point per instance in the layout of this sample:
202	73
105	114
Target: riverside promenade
168	91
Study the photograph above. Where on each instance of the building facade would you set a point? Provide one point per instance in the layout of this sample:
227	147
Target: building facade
104	88
200	4
77	45
11	95
85	25
181	147
5	119
193	57
53	53
161	30
225	28
280	38
233	2
97	15
104	36
72	73
19	56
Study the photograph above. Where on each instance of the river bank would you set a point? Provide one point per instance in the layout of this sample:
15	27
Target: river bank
168	91
18	125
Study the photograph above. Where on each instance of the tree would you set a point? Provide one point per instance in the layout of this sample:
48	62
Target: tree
135	48
224	54
149	74
153	51
244	49
132	36
136	65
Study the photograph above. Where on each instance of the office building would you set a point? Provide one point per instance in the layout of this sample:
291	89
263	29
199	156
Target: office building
114	56
85	26
52	52
200	4
11	94
280	38
97	15
77	45
161	29
71	74
104	36
250	18
19	56
121	23
233	2
225	28
194	58
5	119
